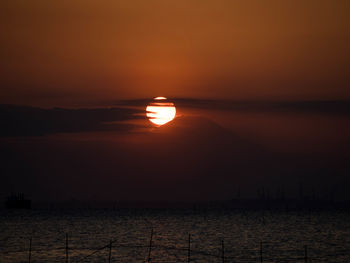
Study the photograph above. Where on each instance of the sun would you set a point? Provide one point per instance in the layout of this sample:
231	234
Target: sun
160	111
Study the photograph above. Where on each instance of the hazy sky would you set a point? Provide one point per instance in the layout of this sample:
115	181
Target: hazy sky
79	52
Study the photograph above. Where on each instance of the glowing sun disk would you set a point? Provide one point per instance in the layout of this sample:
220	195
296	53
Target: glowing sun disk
160	113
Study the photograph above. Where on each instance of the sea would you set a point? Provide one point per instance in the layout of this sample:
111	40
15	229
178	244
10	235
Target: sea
173	235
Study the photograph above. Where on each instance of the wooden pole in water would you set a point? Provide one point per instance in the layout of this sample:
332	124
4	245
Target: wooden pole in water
66	247
30	250
261	252
150	247
110	251
305	258
222	251
189	248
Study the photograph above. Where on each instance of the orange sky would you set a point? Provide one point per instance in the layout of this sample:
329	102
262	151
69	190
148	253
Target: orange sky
78	52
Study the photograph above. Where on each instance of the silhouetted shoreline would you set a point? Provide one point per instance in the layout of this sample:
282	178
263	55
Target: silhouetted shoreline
235	204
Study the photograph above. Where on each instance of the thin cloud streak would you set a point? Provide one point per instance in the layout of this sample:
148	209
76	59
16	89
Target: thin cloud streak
333	107
30	121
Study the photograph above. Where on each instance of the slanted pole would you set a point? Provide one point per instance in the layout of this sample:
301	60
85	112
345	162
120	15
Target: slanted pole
189	249
110	252
305	255
30	250
222	251
66	247
150	247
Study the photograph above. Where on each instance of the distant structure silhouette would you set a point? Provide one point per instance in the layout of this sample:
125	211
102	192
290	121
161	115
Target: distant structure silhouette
17	201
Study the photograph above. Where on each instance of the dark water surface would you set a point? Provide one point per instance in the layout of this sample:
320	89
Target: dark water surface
283	236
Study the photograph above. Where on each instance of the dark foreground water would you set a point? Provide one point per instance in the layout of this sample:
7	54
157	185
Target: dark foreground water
283	236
